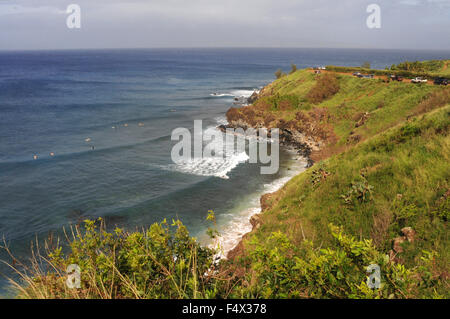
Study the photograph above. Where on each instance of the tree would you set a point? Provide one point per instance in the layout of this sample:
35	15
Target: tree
293	68
279	73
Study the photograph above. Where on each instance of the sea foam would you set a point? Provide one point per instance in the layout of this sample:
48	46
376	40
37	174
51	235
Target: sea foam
219	165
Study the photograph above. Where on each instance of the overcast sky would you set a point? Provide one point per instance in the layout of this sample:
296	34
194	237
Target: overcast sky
405	24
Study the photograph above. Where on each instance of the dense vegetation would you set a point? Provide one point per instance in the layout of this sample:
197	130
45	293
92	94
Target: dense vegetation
378	194
432	66
427	69
162	261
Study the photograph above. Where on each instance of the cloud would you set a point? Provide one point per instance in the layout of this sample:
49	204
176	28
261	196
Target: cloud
20	10
172	23
411	2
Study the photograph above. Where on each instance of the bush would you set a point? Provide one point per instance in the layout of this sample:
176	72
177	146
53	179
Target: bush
269	119
279	74
433	100
284	270
233	114
420	66
160	262
360	191
315	123
327	85
250	115
293	68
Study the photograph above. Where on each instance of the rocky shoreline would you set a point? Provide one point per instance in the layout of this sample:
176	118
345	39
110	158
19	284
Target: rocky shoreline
301	143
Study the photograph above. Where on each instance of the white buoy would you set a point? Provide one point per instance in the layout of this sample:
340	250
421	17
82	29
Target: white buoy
87	140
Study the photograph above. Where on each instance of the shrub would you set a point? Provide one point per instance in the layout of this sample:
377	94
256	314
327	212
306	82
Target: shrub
293	68
279	74
160	262
433	100
269	119
315	124
233	114
327	85
360	191
284	270
319	174
250	115
420	66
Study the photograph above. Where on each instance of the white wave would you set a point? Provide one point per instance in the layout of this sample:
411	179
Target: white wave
233	231
235	93
221	120
210	166
221	94
243	93
218	165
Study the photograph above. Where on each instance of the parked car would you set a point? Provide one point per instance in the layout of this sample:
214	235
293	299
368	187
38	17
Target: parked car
357	74
440	81
366	76
419	80
395	77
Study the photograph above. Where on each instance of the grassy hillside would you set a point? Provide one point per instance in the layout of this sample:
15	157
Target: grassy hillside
378	193
398	179
360	109
389	185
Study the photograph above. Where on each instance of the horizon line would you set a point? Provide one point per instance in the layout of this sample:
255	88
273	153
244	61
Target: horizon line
218	47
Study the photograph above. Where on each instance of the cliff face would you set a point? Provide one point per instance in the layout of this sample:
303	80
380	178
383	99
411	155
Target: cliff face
289	137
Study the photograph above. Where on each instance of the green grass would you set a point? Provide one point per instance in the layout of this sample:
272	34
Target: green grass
397	176
407	166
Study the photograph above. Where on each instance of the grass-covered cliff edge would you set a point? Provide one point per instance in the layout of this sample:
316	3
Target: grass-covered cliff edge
378	193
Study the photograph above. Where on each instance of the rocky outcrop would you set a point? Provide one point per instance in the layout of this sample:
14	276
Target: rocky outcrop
265	201
252	99
255	221
304	145
398	244
409	233
409	236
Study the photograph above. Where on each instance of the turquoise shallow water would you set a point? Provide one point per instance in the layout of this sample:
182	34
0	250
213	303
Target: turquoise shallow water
125	104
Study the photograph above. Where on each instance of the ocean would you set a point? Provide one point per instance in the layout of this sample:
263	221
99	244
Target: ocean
99	123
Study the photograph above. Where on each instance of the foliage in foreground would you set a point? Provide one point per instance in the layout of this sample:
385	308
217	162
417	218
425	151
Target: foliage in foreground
160	262
285	270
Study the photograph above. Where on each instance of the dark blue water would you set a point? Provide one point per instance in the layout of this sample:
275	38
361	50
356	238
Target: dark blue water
107	116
